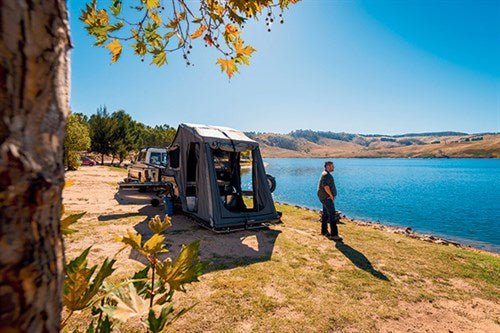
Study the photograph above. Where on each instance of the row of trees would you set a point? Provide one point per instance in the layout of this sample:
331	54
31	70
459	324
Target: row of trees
115	134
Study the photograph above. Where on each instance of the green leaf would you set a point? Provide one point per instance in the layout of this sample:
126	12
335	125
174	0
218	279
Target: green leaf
140	48
186	268
157	325
116	7
104	326
79	287
141	286
69	220
91	329
160	58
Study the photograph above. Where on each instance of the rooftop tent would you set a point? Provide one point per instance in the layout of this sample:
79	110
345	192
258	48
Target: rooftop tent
206	162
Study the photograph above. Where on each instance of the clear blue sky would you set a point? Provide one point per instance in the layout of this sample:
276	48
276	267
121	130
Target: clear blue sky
356	66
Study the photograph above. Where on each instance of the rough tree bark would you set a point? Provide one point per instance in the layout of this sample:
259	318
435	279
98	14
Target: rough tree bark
34	94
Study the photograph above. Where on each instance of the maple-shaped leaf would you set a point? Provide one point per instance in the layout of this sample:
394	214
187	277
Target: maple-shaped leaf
160	58
231	31
199	31
115	48
152	246
242	50
228	66
80	284
186	268
134	240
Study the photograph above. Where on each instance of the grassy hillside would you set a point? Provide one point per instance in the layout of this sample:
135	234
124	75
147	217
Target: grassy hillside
306	143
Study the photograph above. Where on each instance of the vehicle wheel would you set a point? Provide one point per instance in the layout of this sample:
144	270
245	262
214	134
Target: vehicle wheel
155	202
271	181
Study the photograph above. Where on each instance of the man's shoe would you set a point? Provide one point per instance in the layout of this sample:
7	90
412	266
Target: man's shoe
336	238
326	234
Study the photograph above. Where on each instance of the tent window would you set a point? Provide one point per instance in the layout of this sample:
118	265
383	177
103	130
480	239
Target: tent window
228	171
191	176
192	161
173	156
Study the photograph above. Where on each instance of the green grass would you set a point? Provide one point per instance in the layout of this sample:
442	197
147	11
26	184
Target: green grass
309	284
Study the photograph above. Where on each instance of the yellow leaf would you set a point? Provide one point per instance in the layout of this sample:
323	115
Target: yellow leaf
240	50
199	31
155	17
155	245
103	16
133	240
115	48
228	66
231	30
157	225
151	4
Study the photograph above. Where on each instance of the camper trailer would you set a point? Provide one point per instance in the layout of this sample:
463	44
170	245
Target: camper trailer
205	162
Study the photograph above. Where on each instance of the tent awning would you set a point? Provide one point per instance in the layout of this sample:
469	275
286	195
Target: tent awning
224	138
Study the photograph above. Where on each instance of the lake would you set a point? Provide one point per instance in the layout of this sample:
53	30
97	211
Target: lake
457	199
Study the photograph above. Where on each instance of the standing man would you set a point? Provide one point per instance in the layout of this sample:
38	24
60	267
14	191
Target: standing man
326	194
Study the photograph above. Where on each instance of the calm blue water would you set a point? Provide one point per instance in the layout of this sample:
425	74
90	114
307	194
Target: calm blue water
455	198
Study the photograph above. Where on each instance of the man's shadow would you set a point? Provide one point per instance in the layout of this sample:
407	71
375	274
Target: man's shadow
359	260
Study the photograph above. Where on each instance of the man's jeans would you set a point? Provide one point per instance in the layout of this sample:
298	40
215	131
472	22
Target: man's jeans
328	217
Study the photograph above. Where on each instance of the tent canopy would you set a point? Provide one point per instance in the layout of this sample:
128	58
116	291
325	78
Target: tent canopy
224	138
206	161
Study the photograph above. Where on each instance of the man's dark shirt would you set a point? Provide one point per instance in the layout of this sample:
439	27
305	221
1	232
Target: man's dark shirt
326	179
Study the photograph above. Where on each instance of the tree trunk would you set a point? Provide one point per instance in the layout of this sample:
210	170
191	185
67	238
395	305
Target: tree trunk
112	160
102	159
34	95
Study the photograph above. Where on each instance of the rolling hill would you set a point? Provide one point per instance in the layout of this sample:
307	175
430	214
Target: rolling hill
308	143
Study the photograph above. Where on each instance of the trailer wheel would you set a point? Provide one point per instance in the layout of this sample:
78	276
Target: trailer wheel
271	181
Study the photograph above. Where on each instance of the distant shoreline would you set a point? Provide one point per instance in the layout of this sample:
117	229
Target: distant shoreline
393	157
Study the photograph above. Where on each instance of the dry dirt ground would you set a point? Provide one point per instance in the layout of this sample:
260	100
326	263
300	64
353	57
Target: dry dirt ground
290	279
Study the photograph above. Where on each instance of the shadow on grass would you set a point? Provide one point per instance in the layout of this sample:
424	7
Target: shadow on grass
133	197
360	260
219	251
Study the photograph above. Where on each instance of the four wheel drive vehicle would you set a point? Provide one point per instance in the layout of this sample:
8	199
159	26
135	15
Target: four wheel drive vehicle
148	165
85	160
